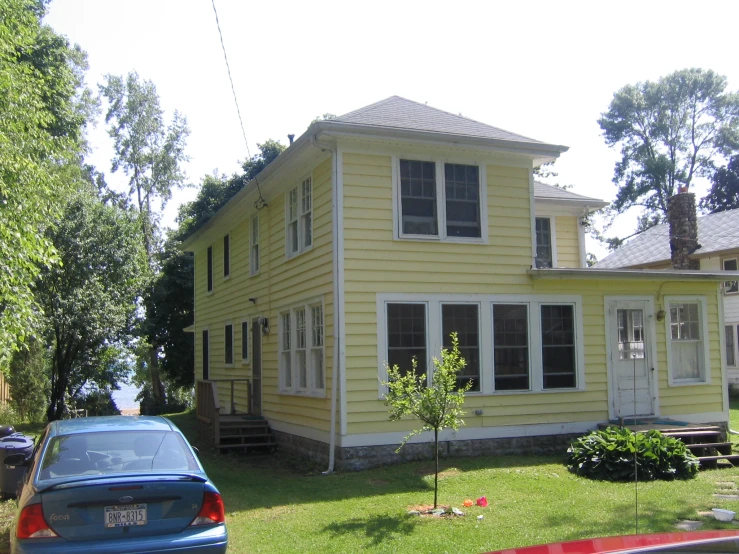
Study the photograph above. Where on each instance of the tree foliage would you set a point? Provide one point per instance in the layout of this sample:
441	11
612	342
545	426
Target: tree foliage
43	109
29	381
669	132
89	299
724	193
438	406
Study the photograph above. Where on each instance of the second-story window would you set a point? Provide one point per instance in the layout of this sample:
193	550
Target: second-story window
210	268
254	253
299	218
442	201
544	242
226	255
228	341
730	287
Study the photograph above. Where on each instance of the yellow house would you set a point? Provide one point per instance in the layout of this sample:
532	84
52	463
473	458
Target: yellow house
377	234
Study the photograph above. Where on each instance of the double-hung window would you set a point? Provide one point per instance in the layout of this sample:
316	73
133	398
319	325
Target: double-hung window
730	287
245	342
406	337
254	253
209	269
730	346
206	355
228	342
687	347
439	200
464	320
558	346
302	349
226	256
511	346
544	257
299	218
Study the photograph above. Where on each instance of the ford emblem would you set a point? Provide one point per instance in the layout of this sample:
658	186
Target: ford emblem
125	499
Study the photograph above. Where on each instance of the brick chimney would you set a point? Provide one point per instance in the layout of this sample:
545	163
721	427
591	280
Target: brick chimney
683	230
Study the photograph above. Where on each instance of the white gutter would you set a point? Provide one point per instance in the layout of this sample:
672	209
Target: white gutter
652	274
337	319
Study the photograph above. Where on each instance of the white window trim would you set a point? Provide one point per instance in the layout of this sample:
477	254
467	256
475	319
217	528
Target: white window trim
295	390
552	235
247	360
227	276
725	287
302	248
440	200
434	343
254	261
703	311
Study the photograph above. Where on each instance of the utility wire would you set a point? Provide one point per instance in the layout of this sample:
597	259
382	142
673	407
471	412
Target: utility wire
260	203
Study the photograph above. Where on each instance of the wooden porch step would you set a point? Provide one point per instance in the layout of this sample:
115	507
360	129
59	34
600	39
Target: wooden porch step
712	462
692	434
721	447
258	445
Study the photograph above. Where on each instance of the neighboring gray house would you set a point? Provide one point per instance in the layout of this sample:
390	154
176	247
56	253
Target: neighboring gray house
718	249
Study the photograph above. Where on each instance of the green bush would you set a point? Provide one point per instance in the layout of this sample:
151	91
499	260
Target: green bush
609	455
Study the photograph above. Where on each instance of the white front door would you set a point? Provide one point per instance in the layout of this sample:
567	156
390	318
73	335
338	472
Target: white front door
631	367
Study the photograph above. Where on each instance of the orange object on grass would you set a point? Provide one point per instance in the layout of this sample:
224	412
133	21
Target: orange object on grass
467	503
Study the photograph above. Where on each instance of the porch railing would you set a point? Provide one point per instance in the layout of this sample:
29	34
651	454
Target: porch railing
208	405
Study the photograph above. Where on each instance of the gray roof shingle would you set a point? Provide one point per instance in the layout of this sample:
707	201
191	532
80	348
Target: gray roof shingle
716	233
400	113
550	192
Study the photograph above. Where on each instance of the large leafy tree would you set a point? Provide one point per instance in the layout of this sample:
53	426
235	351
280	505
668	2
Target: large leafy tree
669	131
89	299
724	193
43	110
151	155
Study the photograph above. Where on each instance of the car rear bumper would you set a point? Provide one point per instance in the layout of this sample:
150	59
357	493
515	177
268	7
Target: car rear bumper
199	540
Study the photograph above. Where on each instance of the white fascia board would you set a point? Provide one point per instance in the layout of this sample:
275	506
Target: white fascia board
651	274
569	207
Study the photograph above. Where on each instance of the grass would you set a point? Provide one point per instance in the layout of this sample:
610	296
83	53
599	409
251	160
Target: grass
276	504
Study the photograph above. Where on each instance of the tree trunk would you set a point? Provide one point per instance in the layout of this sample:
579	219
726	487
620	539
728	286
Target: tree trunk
56	404
436	473
157	388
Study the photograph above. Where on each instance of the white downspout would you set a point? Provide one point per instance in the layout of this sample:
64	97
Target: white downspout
337	320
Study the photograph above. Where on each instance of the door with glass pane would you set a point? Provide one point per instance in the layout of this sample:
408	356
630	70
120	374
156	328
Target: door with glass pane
631	367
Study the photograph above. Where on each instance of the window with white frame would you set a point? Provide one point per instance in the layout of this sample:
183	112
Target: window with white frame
440	200
730	287
687	349
512	344
299	218
730	346
464	320
544	256
245	341
302	349
228	343
254	253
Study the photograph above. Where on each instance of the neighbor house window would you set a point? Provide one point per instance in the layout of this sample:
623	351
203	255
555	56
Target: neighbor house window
544	256
254	257
464	320
730	346
244	341
511	346
686	351
731	286
301	350
228	342
226	255
299	218
439	200
206	356
558	346
406	336
210	268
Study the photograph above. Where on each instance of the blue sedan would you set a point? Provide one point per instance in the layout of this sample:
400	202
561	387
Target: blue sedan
117	485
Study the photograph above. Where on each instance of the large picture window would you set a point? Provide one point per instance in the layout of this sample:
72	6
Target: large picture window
406	336
511	350
302	349
463	319
299	218
558	346
439	200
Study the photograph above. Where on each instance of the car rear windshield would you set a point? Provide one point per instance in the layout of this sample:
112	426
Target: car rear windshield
116	452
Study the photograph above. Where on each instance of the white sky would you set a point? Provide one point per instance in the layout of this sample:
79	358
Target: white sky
542	69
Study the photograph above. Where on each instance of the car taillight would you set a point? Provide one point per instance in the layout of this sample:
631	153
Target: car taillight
212	510
32	525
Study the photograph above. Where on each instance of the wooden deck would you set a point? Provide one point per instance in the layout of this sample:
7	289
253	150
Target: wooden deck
707	442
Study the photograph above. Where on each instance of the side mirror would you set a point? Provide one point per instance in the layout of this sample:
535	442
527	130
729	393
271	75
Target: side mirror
16	460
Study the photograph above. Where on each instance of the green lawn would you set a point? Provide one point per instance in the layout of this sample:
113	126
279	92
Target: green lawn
275	504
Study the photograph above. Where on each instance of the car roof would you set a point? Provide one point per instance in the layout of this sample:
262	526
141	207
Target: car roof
111	423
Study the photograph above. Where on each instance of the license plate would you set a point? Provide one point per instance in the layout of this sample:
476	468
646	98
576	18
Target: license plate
125	516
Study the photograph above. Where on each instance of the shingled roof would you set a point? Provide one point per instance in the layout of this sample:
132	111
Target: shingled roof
716	233
542	191
400	113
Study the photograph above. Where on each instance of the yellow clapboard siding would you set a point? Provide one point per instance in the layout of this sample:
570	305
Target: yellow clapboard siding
568	241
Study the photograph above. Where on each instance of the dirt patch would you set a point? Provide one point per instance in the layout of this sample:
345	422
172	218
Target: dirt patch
443	473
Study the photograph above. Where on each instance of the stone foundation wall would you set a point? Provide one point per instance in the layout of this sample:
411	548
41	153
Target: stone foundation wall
358	458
